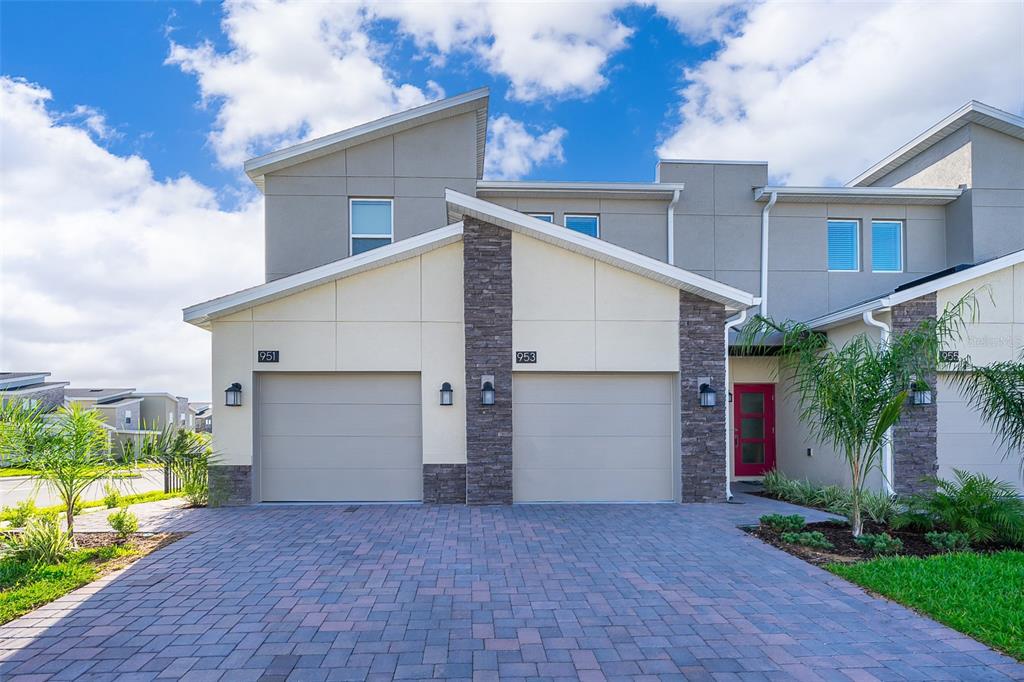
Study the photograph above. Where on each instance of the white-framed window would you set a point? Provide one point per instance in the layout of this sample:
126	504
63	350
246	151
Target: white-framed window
887	246
183	419
170	418
127	417
584	223
843	245
546	217
371	224
191	420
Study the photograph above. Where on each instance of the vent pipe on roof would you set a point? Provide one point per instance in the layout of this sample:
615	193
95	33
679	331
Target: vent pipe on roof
671	225
764	252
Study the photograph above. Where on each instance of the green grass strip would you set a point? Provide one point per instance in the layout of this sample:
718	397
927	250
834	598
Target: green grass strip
24	586
980	595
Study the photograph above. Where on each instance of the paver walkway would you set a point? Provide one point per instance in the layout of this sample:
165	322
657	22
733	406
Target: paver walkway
552	592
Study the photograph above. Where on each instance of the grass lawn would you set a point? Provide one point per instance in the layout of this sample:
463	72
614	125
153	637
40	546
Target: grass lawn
152	496
126	472
24	586
981	595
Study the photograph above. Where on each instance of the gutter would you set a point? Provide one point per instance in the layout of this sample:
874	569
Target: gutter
764	252
671	227
730	324
887	463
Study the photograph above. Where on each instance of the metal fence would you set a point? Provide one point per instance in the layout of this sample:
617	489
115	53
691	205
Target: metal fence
171	481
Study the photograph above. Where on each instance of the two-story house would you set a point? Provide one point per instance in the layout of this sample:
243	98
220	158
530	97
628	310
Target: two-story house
424	334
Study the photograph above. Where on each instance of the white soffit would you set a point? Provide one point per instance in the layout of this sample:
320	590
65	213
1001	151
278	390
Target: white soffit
475	101
202	314
972	112
859	195
461	205
930	285
595	190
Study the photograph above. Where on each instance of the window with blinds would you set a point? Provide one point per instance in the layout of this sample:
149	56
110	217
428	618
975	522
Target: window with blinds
886	246
843	245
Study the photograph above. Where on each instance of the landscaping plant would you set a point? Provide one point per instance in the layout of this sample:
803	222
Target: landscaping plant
782	523
849	396
111	496
985	509
42	542
813	538
996	391
20	513
124	523
69	452
881	543
952	541
186	453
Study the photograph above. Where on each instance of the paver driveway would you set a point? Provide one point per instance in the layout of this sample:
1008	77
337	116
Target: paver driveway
588	592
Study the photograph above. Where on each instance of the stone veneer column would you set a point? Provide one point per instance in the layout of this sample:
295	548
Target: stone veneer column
230	485
914	444
444	483
702	354
487	284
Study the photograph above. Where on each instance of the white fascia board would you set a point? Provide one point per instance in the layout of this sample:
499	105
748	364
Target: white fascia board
201	314
24	380
156	394
972	112
930	287
598	249
882	195
515	188
259	166
36	388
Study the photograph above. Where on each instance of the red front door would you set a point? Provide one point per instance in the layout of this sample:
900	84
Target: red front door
754	428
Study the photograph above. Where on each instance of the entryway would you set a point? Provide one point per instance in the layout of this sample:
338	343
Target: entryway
754	429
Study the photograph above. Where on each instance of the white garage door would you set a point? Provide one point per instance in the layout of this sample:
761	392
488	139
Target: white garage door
592	437
339	437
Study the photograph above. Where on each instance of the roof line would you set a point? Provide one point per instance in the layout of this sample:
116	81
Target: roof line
510	187
956	120
931	195
599	249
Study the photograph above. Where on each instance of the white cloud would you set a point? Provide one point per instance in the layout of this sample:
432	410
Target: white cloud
99	257
701	21
295	70
513	151
823	90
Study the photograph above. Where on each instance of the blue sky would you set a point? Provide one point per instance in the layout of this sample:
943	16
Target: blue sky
125	126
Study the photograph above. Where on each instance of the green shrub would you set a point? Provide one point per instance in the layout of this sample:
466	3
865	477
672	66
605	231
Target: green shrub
834	498
112	496
42	542
813	538
986	509
953	541
124	523
881	543
773	482
20	513
879	507
781	523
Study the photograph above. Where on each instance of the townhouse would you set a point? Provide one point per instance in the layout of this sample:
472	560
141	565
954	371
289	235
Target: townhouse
427	335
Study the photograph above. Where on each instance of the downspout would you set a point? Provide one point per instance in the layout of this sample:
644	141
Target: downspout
764	251
887	463
729	326
671	228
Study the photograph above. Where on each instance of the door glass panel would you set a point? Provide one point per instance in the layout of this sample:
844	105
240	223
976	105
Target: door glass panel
753	453
752	427
752	403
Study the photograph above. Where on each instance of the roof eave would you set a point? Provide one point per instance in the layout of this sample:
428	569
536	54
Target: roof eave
881	195
501	188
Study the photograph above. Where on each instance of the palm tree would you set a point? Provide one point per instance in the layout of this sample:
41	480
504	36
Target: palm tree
996	391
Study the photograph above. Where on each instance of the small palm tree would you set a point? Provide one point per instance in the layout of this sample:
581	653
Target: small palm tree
850	396
996	391
69	451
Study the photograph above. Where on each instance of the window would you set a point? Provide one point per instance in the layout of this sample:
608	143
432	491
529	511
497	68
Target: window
843	245
371	224
33	403
546	217
585	224
170	419
886	246
127	417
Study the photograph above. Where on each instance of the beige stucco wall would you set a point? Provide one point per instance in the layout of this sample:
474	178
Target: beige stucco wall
403	317
581	315
997	334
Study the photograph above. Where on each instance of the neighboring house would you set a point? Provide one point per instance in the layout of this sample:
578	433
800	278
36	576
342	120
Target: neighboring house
160	410
32	388
120	408
401	288
202	415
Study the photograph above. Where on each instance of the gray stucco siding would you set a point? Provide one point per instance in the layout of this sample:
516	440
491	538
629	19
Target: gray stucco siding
945	164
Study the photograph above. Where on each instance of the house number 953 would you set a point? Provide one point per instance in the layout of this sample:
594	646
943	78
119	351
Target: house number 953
526	357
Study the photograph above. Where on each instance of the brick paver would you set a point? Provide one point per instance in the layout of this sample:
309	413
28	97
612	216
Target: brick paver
539	592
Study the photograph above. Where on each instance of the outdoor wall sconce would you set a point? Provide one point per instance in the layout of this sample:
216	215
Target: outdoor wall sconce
708	396
233	395
487	390
920	393
447	395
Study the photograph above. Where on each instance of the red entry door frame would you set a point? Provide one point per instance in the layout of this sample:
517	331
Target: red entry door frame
754	429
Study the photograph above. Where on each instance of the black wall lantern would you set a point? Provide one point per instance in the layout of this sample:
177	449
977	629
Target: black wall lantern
487	390
233	395
708	396
447	395
920	393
